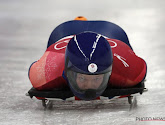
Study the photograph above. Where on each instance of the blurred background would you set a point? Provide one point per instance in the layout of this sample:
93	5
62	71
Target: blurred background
25	26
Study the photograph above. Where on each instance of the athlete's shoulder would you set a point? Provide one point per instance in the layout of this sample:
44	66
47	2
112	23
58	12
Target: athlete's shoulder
116	44
60	45
128	68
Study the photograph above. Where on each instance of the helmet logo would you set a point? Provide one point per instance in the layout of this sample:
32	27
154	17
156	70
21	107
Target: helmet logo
92	67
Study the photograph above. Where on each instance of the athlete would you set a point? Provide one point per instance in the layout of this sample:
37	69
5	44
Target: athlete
87	57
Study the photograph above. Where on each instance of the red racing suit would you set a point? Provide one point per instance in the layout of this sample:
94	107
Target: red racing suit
128	69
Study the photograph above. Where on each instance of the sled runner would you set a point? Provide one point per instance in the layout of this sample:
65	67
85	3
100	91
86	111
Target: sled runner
66	94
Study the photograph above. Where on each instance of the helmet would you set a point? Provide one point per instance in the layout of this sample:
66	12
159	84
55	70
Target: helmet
88	65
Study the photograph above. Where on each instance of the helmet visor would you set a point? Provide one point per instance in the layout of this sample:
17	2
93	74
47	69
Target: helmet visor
81	83
89	81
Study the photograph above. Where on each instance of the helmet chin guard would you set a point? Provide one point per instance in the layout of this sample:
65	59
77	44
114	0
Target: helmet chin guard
90	93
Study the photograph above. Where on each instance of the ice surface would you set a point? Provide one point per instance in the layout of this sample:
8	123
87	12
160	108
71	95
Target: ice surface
25	27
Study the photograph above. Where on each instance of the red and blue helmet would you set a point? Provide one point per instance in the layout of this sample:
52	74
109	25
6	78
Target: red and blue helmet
88	64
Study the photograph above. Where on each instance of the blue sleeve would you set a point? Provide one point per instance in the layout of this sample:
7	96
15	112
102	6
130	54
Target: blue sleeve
30	67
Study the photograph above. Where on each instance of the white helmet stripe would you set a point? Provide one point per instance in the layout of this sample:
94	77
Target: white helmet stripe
94	45
79	47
